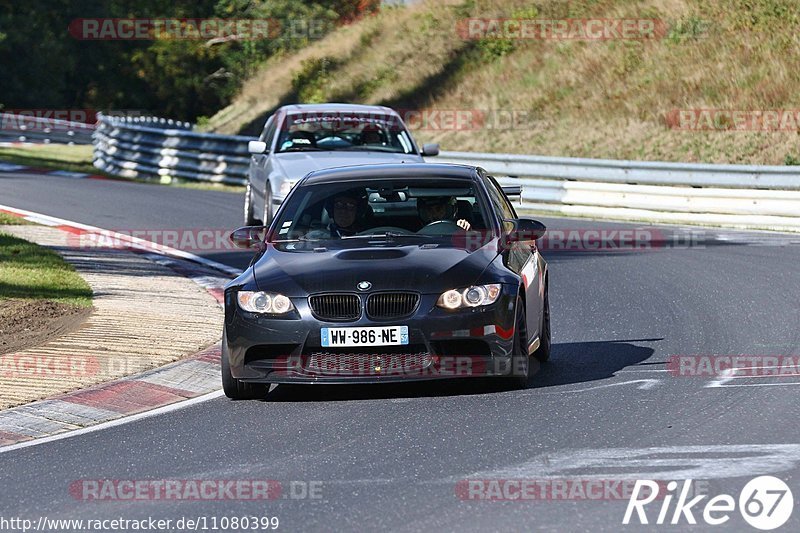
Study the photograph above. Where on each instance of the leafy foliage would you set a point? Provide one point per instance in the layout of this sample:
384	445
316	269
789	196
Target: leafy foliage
48	68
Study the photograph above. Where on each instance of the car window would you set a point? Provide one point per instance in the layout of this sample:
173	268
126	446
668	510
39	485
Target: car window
269	131
509	209
340	132
423	208
499	202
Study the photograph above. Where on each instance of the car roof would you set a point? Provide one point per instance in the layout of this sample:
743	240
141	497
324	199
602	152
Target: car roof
391	170
336	108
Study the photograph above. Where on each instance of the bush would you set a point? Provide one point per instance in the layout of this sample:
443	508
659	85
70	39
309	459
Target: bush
310	81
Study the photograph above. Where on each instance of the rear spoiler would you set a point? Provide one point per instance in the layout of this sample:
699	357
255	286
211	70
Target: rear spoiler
512	190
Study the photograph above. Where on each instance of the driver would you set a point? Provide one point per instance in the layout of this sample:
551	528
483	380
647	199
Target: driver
347	210
437	208
371	135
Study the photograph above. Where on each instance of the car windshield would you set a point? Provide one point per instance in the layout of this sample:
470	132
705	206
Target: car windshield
339	131
435	211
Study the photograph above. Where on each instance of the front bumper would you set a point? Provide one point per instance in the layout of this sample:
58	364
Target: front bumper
442	345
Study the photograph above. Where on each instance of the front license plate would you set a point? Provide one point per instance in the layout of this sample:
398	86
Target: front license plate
368	336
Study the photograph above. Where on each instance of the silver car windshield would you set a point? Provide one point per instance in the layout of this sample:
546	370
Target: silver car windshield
310	132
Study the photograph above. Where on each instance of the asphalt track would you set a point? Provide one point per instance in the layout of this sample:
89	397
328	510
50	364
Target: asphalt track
391	457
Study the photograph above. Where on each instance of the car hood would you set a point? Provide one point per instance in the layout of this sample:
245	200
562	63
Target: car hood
295	165
420	268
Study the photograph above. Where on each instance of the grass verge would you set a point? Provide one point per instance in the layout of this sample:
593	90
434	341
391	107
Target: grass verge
11	220
75	158
31	272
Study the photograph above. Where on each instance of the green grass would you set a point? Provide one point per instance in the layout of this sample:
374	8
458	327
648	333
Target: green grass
78	158
30	272
75	158
11	220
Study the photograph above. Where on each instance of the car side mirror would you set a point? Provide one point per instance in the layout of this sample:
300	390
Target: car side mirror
248	236
525	230
256	147
430	149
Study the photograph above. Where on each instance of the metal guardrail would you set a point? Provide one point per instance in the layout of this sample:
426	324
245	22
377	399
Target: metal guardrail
33	129
635	172
151	147
741	196
745	196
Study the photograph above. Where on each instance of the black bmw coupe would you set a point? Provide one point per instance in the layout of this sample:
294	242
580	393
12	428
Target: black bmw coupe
380	273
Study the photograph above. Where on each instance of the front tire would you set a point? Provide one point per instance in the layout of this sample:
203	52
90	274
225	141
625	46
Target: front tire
249	218
269	211
519	356
232	387
542	354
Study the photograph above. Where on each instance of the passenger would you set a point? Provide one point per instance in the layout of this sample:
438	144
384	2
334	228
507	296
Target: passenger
437	208
371	135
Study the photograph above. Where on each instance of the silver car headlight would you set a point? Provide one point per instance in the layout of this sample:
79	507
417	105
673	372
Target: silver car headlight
264	302
474	296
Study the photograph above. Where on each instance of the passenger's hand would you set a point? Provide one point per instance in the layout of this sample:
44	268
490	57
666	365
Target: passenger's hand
464	224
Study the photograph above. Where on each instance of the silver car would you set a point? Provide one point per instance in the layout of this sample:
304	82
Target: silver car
300	138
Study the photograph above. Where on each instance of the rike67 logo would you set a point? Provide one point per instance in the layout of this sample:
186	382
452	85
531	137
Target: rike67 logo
765	503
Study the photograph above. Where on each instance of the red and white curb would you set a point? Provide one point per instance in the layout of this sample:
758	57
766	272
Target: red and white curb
193	379
189	378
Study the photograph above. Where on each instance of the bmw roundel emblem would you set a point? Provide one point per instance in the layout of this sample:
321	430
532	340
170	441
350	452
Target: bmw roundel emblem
364	285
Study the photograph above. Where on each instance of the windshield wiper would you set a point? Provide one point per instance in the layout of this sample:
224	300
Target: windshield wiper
302	149
300	239
387	235
383	149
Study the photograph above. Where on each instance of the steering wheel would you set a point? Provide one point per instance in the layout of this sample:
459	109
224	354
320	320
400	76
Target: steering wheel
383	229
440	227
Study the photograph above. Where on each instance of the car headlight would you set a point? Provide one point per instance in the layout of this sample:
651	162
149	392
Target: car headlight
474	296
264	302
286	186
